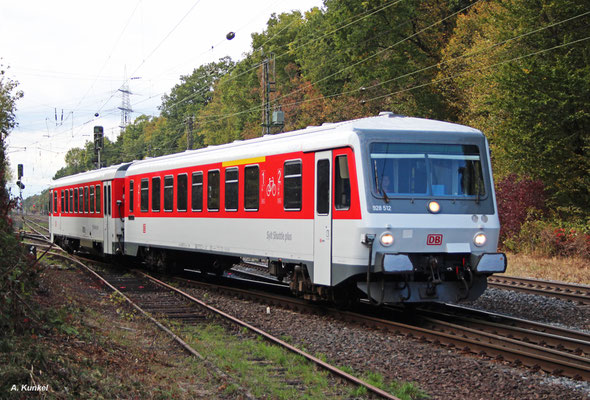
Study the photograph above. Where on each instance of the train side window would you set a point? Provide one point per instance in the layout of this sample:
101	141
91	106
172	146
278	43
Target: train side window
145	188
251	187
66	204
55	201
98	199
86	199
341	183
108	195
168	192
91	199
156	194
71	205
197	191
213	190
131	190
76	200
292	191
323	187
50	202
62	200
81	200
181	192
231	189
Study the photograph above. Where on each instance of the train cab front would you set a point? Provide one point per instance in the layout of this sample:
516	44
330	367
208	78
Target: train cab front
432	227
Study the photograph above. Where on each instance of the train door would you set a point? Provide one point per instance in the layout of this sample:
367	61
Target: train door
322	248
108	222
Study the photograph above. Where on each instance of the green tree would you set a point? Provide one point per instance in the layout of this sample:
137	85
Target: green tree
188	98
520	73
8	98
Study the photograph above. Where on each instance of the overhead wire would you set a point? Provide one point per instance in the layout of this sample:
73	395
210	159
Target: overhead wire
359	18
257	108
154	50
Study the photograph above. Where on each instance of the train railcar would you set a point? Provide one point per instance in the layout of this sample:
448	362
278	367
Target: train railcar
390	208
86	210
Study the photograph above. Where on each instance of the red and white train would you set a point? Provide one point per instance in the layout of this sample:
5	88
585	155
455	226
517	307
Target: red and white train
391	208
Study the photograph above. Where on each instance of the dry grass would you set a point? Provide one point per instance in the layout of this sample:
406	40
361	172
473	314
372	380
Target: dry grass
566	269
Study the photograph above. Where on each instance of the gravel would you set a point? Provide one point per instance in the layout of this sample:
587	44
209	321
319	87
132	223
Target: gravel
442	372
544	309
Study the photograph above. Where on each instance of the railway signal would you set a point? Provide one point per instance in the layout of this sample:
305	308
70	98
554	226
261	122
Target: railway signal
98	144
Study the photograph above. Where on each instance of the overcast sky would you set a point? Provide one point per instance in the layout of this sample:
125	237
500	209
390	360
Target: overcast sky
70	58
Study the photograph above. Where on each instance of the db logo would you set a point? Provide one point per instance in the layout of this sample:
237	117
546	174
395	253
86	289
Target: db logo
434	239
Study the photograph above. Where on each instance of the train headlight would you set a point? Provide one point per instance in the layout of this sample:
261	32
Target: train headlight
434	207
480	239
386	239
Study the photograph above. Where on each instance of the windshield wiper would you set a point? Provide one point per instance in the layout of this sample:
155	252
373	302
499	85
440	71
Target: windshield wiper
378	184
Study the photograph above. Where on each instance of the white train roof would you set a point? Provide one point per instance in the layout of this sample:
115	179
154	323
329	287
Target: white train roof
108	173
309	139
312	138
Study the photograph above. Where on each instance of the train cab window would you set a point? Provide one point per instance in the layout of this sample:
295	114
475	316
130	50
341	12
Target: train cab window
156	194
341	183
145	188
181	192
168	192
231	189
213	191
62	200
86	199
197	191
76	200
98	199
91	199
131	189
251	187
292	191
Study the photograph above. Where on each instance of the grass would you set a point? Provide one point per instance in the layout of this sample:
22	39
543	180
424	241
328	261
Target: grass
269	371
566	269
265	369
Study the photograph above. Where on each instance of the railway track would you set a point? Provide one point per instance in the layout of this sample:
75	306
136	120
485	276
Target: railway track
566	291
537	346
152	297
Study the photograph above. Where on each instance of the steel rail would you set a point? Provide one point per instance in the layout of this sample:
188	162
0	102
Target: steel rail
30	223
561	290
276	340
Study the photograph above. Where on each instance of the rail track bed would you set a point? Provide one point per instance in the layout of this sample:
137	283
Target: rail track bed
407	355
163	302
538	346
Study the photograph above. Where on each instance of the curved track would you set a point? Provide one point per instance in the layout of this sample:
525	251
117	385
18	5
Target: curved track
557	351
561	290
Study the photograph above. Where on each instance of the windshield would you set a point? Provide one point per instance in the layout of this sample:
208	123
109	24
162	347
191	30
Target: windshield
439	170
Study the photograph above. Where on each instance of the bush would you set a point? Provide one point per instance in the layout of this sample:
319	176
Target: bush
551	239
520	199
